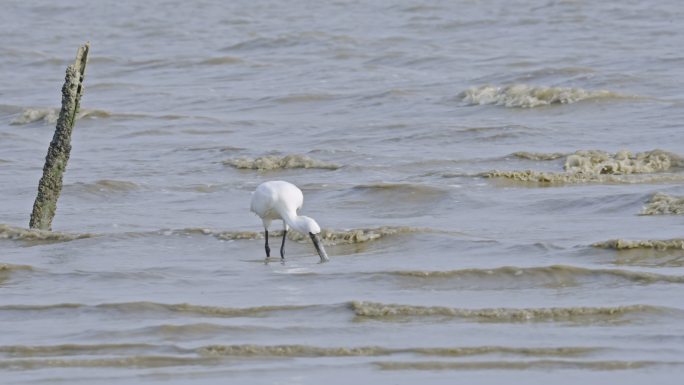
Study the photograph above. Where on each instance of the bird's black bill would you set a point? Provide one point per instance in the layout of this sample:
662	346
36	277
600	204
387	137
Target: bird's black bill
319	247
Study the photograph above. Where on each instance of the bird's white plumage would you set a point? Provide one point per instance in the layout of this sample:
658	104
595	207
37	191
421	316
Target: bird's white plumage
280	200
277	200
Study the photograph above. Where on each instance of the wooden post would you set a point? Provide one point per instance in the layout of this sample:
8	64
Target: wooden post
50	185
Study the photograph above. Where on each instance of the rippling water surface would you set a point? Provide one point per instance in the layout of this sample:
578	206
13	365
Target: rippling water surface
499	185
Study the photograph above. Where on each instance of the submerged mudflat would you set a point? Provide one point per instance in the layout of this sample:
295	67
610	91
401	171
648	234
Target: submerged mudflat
499	186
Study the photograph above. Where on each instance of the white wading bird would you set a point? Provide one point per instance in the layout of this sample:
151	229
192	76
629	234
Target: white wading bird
281	200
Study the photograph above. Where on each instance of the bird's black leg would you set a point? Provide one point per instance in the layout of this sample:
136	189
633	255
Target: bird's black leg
282	247
268	249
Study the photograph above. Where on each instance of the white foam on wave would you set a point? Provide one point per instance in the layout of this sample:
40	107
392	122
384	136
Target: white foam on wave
663	204
527	96
600	166
272	162
30	115
50	115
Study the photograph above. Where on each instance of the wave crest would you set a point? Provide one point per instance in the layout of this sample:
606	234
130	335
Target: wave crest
557	273
140	355
334	237
6	270
223	235
8	267
538	155
30	115
249	350
198	310
522	365
290	351
76	349
272	162
600	166
569	178
50	115
328	236
622	162
621	244
118	362
390	311
155	307
526	96
106	186
34	235
662	204
314	351
222	60
374	310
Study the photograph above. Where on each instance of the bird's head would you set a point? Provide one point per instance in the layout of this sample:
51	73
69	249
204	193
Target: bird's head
312	228
308	225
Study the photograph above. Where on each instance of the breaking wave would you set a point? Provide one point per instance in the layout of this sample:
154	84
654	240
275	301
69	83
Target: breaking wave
662	204
50	115
622	162
272	162
333	237
574	178
328	236
592	314
600	166
621	244
526	96
34	235
223	235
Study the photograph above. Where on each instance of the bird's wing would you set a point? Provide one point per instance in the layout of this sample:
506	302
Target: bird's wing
260	203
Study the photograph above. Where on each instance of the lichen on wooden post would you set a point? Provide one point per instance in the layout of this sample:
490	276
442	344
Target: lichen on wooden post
50	185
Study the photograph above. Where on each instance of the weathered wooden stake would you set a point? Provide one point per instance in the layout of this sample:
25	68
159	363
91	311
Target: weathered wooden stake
50	185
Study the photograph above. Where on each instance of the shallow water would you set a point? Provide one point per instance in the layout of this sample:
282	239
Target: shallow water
499	186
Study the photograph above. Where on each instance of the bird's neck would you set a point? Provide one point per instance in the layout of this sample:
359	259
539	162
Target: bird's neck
294	221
